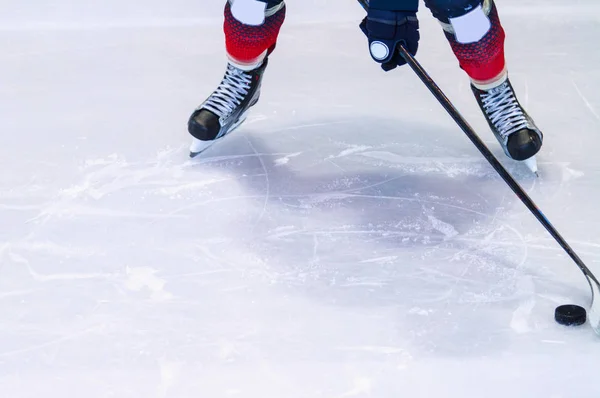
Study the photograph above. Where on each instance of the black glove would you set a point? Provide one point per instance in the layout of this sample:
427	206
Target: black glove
386	30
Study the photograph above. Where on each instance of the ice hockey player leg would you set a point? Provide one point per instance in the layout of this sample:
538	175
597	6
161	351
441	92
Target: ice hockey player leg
251	29
477	38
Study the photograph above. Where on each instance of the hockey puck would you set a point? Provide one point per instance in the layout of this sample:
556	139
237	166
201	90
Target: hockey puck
570	315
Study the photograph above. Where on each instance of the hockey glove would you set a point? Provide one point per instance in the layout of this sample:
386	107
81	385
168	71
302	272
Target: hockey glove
388	29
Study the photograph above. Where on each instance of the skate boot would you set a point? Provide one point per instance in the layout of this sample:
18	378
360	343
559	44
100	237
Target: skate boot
226	108
514	129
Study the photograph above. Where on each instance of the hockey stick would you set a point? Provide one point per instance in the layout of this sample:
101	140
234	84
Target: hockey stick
594	311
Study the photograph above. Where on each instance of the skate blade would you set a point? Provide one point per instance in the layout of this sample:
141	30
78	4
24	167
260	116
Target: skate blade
199	146
531	164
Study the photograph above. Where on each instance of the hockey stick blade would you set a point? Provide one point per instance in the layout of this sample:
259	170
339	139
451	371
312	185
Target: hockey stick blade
594	312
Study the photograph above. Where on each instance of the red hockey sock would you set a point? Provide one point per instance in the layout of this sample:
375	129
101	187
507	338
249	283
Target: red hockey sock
247	45
483	60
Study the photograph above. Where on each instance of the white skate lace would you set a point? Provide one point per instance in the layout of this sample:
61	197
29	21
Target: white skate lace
503	110
230	93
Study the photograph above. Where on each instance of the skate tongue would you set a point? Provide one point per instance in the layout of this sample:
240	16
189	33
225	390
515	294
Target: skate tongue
531	163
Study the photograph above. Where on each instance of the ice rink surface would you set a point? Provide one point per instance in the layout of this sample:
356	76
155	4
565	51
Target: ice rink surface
347	241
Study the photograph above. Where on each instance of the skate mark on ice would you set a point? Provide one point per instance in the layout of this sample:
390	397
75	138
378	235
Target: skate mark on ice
108	175
315	254
499	208
61	209
551	244
374	349
522	241
446	276
19	207
374	185
192	206
267	188
446	229
190	186
571	174
223	158
489	239
170	372
418	200
362	386
285	160
452	168
587	103
521	318
139	278
310	125
255	119
339	194
51	342
281	233
200	273
55	249
352	150
378	283
420	311
381	260
337	166
379	233
16	293
55	277
400	159
111	175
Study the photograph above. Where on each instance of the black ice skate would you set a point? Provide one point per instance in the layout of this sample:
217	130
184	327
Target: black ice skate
515	130
226	108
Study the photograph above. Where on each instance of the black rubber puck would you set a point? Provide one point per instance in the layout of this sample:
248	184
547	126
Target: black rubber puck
570	315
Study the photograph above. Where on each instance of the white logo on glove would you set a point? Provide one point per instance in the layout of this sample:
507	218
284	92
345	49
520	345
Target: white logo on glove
379	50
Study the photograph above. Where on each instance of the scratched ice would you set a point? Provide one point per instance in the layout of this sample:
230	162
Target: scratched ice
347	241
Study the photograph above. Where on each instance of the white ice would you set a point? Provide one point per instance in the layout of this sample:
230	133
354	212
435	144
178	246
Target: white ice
347	241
